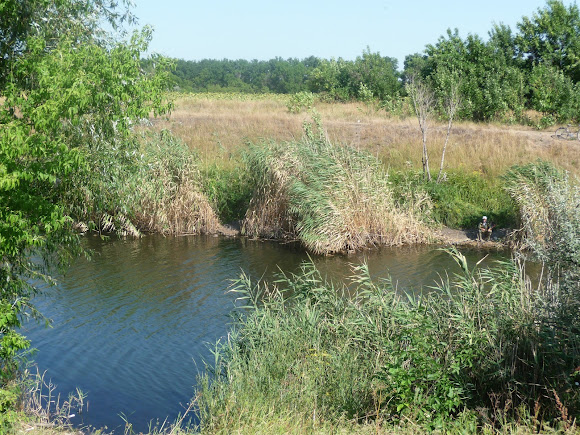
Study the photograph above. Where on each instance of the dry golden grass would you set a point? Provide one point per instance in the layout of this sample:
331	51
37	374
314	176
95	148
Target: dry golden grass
219	126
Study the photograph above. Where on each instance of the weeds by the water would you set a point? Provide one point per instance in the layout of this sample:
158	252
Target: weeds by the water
168	190
549	203
479	351
228	187
332	198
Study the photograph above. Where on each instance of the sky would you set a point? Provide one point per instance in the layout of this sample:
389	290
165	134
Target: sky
263	30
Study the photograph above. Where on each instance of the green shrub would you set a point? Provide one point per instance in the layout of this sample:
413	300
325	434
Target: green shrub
461	199
300	101
229	189
9	396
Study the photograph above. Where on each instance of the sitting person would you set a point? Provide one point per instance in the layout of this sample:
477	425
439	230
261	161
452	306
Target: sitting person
484	229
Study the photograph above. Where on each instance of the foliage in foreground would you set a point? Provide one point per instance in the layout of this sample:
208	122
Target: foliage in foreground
68	90
331	198
487	350
485	346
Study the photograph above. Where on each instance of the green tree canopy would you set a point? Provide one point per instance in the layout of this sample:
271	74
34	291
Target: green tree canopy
68	91
552	36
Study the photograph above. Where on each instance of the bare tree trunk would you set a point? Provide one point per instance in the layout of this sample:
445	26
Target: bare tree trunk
444	148
452	103
423	101
425	159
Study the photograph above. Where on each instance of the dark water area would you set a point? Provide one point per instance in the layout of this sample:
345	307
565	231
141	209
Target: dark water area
132	326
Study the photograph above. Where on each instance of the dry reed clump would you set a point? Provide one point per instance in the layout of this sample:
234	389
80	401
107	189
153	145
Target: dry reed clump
548	203
332	198
151	185
169	197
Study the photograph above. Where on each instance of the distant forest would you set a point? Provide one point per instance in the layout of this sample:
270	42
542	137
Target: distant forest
534	68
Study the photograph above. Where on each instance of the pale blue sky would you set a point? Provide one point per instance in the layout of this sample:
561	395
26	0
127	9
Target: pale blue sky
264	29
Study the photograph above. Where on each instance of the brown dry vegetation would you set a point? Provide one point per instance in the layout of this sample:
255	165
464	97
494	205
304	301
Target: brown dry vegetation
218	126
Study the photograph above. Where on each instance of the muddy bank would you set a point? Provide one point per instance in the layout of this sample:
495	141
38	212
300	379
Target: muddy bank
468	237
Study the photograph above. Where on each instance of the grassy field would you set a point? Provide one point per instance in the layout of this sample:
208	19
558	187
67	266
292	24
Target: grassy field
218	127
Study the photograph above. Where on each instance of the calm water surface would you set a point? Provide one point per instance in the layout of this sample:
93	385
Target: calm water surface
131	327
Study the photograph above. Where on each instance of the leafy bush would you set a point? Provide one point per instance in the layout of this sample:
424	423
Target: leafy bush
229	189
300	101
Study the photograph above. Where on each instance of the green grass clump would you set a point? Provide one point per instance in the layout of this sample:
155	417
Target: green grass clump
229	188
461	199
484	350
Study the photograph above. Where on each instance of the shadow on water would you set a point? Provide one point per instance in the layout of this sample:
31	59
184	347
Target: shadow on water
131	327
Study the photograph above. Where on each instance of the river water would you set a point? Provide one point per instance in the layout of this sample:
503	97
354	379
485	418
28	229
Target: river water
132	326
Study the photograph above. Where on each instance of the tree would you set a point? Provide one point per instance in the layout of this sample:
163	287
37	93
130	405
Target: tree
450	83
378	74
552	93
552	36
423	103
492	85
71	92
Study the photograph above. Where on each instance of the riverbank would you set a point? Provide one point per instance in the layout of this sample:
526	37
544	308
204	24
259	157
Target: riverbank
460	237
183	182
418	202
224	129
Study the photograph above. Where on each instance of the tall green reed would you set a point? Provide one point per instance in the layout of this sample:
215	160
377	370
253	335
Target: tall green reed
481	346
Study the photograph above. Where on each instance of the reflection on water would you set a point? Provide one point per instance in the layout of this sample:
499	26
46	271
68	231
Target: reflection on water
132	325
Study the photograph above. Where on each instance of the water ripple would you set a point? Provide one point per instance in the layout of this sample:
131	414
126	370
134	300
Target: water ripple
131	326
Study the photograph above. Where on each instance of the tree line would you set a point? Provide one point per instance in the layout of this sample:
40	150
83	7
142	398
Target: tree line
536	67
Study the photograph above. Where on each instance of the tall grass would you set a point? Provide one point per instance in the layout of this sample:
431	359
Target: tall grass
218	124
481	350
332	198
154	187
169	191
549	204
219	127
